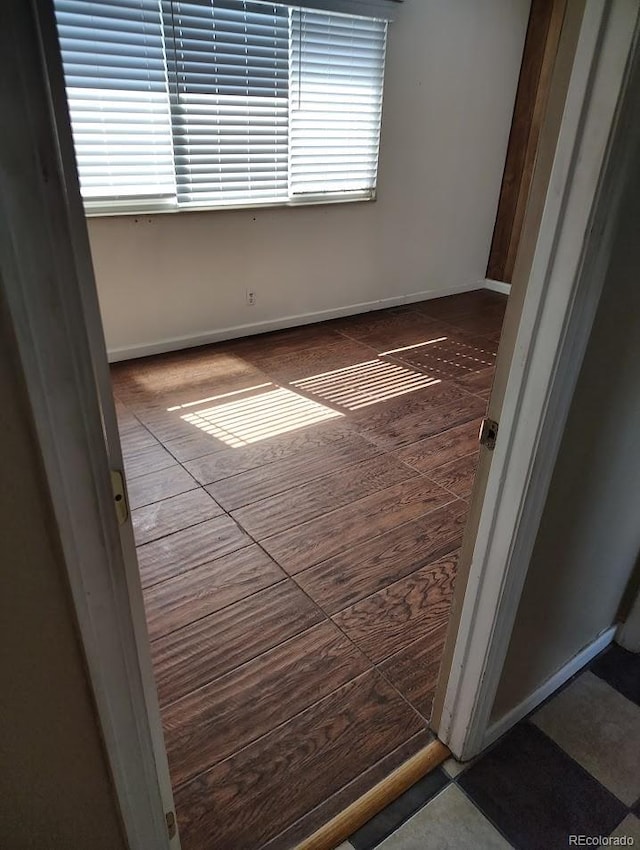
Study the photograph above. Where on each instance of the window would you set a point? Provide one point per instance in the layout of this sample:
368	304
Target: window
116	79
213	103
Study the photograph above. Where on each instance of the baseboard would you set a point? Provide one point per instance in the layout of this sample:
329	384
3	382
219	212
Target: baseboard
178	343
497	286
344	824
497	729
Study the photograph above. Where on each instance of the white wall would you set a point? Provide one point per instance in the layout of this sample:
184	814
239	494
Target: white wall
451	76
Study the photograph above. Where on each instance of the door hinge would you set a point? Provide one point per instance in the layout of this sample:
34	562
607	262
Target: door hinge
171	824
488	433
119	496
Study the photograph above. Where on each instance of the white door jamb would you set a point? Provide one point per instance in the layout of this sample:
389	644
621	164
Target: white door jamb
48	285
563	291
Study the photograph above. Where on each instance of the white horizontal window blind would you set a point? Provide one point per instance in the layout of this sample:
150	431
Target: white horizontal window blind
229	91
337	71
213	103
115	72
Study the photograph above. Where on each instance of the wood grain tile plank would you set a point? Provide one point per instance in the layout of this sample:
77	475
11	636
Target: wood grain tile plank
229	614
389	620
487	343
134	438
223	464
173	514
212	646
410	428
321	538
364	388
182	377
208	588
364	323
124	416
305	362
478	382
253	795
450	357
126	419
293	507
365	569
194	445
422	403
300	468
170	426
173	424
384	329
442	448
220	718
461	304
414	670
155	486
255	349
485	321
349	793
148	459
182	550
458	475
411	338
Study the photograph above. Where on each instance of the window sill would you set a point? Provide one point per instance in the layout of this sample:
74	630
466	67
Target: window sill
110	211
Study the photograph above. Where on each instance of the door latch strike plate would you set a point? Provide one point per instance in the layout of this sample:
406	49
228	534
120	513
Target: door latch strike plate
488	433
119	496
171	824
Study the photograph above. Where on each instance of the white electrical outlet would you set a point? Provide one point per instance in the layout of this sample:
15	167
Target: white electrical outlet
251	298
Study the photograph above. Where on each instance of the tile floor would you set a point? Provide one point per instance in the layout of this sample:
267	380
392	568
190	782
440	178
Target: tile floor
571	768
298	499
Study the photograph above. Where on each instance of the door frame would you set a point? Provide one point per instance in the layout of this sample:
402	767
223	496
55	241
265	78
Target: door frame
563	286
47	280
52	298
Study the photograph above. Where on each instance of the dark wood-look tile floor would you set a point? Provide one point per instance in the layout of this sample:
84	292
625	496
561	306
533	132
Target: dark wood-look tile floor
298	500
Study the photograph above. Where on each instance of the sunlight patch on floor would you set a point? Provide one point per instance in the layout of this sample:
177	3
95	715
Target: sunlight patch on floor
447	358
249	420
415	345
243	391
365	383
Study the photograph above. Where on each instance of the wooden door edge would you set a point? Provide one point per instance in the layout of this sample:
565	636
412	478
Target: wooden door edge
346	822
538	58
